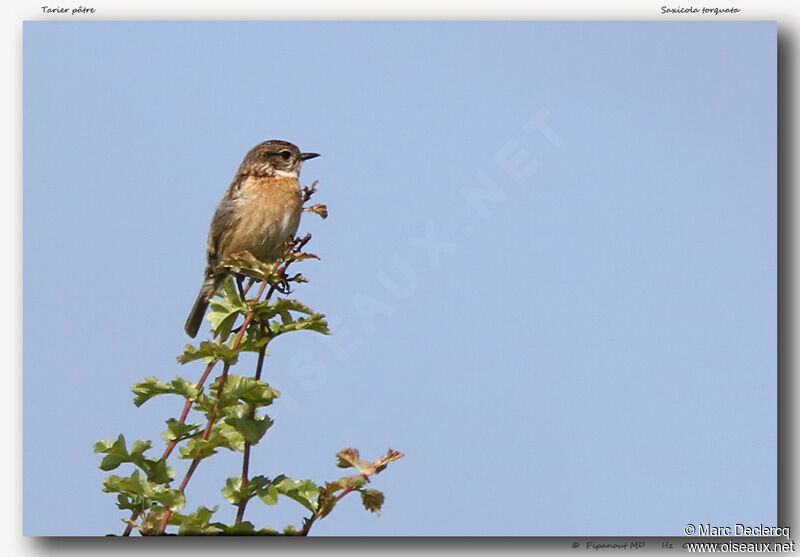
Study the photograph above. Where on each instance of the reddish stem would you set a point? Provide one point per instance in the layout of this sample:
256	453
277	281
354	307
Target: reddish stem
316	515
171	445
259	366
246	457
213	416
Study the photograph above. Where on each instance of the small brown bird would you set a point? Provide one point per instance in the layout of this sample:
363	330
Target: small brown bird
258	213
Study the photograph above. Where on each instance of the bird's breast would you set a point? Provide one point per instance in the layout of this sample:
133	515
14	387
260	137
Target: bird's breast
270	211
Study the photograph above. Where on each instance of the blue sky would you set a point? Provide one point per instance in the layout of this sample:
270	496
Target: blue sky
550	264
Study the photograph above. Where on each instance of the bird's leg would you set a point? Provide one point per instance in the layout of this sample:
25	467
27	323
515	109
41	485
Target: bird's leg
239	281
283	286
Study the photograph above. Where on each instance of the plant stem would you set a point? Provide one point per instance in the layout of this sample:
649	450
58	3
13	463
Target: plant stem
213	416
259	367
171	445
316	515
246	456
295	247
188	406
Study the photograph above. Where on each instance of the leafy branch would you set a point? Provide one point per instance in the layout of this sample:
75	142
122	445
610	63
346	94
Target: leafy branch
230	408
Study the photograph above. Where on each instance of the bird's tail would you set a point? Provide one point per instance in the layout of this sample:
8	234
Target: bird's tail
195	319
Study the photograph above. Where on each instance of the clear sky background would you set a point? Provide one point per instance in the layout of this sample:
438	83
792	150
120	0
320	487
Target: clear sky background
549	266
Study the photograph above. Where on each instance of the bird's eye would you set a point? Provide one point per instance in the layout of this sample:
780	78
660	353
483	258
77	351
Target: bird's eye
286	155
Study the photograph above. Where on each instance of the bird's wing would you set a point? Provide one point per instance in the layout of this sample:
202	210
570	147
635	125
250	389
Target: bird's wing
223	222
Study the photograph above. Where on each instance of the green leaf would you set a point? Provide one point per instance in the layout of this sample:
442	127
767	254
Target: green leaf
290	531
258	482
252	429
269	494
355	482
131	491
229	297
244	263
267	310
222	323
197	448
172	499
178	430
372	500
222	435
328	494
246	389
267	531
227	437
225	309
283	307
137	486
157	470
326	504
209	351
150	387
196	523
117	453
128	502
233	491
315	323
134	484
348	482
243	528
304	492
253	343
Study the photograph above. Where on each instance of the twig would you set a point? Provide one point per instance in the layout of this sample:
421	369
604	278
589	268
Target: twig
259	366
308	191
212	417
246	456
310	521
171	445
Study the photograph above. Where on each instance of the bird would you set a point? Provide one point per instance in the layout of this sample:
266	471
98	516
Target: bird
259	212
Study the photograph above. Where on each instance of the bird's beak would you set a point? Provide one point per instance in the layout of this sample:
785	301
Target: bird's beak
306	156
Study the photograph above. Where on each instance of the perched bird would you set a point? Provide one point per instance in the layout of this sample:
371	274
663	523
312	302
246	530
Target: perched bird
258	213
